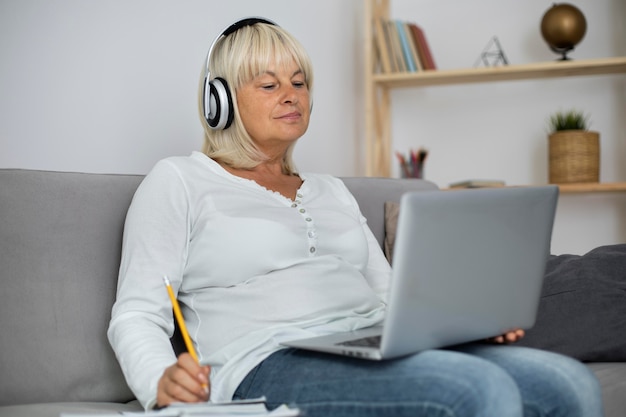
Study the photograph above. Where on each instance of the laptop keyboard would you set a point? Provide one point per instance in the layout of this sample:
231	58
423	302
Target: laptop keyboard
371	341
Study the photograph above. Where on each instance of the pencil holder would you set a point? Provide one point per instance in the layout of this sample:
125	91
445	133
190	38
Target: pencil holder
409	170
412	166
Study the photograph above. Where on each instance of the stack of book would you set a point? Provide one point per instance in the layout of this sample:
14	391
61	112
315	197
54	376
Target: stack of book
477	184
402	46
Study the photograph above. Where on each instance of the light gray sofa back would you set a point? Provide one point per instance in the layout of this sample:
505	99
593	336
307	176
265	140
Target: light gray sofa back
372	193
60	239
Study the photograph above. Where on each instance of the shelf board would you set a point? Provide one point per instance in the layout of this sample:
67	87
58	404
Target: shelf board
592	187
573	188
603	66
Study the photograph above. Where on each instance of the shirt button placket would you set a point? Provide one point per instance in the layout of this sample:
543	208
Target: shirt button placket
310	224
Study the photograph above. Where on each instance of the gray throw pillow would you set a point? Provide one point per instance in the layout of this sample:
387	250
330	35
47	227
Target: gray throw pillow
582	312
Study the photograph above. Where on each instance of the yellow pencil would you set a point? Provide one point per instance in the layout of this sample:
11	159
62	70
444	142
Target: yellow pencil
181	322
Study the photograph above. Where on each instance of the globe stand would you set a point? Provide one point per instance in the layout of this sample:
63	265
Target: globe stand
563	52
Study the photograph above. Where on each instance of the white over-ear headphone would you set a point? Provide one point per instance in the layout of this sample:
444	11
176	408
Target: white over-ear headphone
217	102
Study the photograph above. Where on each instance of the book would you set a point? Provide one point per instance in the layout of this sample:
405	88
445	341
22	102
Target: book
477	184
382	45
412	47
396	47
423	48
388	41
404	43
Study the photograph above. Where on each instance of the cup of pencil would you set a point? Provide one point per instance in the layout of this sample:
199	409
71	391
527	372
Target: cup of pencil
412	166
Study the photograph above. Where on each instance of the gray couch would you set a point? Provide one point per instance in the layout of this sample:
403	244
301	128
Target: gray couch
60	237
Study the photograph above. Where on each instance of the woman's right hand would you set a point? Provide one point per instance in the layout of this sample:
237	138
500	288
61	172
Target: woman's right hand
185	381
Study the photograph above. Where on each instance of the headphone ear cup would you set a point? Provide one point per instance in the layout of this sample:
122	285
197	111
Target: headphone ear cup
220	105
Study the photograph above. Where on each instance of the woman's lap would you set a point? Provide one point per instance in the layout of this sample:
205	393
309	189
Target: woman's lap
475	380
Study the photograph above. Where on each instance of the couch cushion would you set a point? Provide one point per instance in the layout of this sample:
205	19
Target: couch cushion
60	240
582	312
612	378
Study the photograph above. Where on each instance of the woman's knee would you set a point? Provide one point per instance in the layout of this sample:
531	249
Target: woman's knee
471	385
580	392
550	384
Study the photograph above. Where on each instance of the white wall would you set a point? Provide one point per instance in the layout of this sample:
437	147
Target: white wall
110	86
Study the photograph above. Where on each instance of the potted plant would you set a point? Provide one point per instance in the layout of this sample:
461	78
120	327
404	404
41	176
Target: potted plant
574	151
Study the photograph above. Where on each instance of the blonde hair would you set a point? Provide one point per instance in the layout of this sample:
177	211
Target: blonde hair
238	58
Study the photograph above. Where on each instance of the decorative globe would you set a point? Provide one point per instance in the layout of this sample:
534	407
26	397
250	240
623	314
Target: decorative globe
563	26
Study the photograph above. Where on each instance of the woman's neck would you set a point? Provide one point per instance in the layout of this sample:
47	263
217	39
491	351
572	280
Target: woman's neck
270	175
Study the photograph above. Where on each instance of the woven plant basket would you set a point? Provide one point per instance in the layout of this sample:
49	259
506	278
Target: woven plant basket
574	156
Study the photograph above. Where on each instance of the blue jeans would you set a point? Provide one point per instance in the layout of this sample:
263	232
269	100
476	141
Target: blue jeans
474	380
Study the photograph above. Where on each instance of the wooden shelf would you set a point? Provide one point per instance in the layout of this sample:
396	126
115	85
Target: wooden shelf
592	187
378	99
378	107
604	66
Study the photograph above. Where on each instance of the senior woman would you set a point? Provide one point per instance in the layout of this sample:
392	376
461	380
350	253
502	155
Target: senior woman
259	253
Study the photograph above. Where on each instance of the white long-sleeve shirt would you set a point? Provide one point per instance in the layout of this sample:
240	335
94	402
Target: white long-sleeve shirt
251	268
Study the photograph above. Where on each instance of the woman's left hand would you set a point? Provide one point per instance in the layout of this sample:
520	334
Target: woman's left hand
509	337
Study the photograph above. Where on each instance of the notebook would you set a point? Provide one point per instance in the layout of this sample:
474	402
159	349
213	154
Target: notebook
468	265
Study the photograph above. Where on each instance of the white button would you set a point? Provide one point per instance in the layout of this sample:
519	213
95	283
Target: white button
312	249
312	234
302	210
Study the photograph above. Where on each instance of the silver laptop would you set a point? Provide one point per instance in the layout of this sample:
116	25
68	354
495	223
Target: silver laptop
467	265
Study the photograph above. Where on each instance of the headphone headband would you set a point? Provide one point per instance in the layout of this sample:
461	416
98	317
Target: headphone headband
248	21
218	114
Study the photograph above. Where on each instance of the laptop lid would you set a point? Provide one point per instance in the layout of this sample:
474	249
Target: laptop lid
468	264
